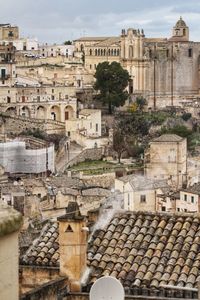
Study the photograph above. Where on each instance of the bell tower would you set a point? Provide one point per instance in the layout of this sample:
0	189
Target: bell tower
180	31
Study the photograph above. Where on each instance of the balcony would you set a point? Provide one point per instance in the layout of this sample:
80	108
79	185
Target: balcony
5	77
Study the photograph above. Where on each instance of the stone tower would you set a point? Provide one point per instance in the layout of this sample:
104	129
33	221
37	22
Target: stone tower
73	245
180	31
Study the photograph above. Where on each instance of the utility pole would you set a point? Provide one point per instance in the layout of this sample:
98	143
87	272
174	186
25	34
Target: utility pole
172	75
154	78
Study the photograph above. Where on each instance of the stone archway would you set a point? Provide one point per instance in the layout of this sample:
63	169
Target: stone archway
55	113
68	112
25	112
12	111
41	112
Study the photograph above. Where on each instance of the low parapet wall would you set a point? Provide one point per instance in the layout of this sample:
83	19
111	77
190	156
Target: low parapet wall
17	124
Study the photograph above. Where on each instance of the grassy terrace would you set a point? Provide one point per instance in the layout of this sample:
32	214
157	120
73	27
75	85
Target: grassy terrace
95	167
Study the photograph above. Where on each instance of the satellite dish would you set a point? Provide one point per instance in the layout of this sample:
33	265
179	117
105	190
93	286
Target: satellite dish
107	288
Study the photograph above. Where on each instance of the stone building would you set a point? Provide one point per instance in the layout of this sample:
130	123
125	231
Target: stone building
154	255
54	50
164	70
166	158
10	223
140	193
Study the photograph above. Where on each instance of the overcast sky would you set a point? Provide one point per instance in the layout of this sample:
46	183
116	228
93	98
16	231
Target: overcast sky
59	20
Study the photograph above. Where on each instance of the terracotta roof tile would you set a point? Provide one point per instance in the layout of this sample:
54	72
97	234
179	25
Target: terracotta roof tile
45	249
153	249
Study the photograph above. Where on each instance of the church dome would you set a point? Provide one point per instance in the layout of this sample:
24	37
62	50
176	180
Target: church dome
180	23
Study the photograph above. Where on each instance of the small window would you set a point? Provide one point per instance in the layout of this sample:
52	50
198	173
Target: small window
192	199
185	197
178	209
128	200
52	91
90	67
69	229
163	208
143	198
190	52
97	127
39	195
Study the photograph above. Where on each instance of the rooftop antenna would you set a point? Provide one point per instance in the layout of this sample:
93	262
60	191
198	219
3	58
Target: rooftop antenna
107	288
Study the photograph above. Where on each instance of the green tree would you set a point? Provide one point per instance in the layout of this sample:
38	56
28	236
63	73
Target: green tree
68	42
119	144
111	81
141	102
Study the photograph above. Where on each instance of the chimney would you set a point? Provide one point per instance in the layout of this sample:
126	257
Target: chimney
73	245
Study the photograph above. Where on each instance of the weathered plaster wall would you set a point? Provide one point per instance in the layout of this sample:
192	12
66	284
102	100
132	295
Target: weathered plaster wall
9	266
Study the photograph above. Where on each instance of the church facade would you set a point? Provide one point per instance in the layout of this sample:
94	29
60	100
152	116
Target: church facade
166	71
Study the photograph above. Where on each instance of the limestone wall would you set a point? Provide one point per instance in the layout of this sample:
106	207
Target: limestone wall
16	124
9	266
87	154
102	180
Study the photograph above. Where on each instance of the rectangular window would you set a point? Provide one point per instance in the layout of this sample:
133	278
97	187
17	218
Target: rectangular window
97	127
178	209
163	208
192	199
142	198
128	200
189	52
185	197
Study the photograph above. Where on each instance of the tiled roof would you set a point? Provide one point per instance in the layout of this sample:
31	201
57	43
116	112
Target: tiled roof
168	138
150	250
143	183
89	38
141	249
195	189
45	250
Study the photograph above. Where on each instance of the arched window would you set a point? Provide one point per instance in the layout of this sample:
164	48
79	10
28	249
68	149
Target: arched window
99	51
90	51
108	52
104	52
130	51
96	52
115	52
82	47
111	52
184	31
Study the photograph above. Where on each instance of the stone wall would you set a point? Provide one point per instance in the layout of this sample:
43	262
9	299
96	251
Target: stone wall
105	180
16	124
48	291
87	154
33	277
